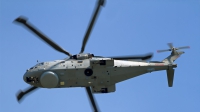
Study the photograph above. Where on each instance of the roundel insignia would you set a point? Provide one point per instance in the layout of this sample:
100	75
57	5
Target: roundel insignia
88	72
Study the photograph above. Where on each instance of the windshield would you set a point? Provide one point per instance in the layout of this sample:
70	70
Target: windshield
39	64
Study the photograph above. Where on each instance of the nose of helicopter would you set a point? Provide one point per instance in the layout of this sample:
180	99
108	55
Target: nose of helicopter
25	76
30	77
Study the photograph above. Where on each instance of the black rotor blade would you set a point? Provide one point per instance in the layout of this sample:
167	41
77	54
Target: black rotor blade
142	57
163	50
92	100
86	37
41	36
21	94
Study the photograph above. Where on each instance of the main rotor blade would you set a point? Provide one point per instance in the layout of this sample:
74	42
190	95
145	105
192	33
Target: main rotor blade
170	45
142	57
86	37
41	36
92	100
21	94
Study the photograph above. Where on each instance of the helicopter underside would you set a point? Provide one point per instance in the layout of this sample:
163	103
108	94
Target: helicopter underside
101	75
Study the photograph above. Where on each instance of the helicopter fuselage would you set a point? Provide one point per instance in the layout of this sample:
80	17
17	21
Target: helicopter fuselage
99	73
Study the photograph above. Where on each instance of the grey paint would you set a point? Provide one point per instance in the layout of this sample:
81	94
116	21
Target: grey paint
70	72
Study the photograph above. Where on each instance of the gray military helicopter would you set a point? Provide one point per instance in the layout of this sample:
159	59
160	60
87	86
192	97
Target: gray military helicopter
97	74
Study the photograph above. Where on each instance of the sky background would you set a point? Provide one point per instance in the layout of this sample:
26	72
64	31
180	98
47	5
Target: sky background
124	27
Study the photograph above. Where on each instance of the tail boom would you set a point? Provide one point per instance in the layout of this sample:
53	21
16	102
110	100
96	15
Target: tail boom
171	58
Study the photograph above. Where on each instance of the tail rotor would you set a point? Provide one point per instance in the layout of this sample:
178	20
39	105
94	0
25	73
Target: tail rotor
170	61
172	48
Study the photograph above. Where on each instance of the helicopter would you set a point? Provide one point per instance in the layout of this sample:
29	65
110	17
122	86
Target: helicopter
97	74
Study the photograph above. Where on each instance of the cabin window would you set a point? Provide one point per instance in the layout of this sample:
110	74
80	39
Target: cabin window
80	61
102	62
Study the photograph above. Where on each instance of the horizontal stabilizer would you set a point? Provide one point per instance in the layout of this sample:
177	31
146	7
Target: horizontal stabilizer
170	77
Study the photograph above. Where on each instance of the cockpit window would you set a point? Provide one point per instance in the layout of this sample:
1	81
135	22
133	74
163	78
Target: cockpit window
39	64
36	66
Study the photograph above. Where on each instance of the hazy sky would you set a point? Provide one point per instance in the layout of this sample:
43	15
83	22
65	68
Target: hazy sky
124	27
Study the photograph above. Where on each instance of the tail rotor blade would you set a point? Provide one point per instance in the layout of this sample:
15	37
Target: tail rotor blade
86	37
184	47
170	45
92	100
21	94
41	36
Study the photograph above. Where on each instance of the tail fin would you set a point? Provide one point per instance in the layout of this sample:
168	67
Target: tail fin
169	60
174	55
170	76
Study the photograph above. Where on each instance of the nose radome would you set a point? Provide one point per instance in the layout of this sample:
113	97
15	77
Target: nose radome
31	77
27	77
24	77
